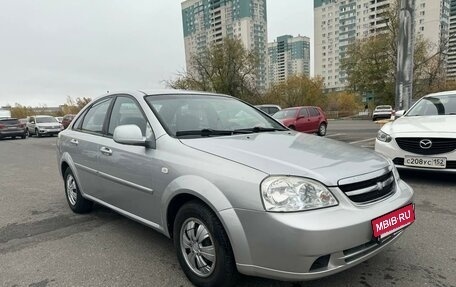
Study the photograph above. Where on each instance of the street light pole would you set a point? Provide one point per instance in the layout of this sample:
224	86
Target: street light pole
405	48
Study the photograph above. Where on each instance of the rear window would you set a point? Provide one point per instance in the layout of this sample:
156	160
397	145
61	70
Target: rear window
9	121
383	108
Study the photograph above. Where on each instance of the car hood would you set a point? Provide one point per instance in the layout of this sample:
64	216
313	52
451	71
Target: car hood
422	124
291	153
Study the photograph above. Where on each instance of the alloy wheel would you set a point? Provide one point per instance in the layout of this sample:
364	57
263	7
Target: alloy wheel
197	247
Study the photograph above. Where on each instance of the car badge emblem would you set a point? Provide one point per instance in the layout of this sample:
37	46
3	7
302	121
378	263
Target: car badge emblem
425	144
379	186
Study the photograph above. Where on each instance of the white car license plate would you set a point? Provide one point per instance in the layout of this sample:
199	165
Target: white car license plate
421	161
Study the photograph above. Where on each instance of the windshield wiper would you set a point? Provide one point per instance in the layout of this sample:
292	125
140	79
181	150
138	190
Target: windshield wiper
204	133
257	130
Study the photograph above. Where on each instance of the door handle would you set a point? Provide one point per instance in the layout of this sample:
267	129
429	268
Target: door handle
74	141
106	151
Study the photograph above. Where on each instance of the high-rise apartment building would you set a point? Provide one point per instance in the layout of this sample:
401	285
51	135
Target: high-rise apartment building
451	65
288	56
338	23
209	21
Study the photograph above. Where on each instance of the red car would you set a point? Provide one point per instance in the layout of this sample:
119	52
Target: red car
67	120
303	119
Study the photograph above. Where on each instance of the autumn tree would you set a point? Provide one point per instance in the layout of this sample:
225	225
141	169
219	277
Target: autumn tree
225	67
19	111
72	106
296	91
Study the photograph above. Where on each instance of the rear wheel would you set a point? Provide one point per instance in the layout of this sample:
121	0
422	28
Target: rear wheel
75	200
322	129
203	248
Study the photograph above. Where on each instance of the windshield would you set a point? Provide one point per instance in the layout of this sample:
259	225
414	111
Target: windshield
285	114
42	120
434	106
384	108
179	113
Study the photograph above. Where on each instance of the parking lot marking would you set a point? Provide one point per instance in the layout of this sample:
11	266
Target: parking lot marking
361	141
334	135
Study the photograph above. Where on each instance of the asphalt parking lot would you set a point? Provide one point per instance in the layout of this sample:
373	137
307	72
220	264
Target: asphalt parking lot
42	243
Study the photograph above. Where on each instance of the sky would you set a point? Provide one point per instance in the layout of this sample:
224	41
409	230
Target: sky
54	49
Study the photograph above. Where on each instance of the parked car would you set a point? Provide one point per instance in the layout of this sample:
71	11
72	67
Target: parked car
67	120
11	127
382	112
425	136
304	119
269	109
43	125
59	119
233	188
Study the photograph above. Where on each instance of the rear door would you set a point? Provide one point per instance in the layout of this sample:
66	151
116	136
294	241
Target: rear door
315	118
302	122
82	143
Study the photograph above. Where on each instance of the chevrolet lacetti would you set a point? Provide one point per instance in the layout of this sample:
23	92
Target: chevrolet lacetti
233	188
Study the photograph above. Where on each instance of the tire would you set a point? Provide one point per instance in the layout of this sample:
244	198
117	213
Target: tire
292	127
322	129
23	136
221	271
374	119
37	133
77	203
27	133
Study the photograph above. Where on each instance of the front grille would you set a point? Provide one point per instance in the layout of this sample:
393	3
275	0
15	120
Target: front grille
450	164
438	146
370	190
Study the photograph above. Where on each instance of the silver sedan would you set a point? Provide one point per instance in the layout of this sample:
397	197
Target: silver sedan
234	189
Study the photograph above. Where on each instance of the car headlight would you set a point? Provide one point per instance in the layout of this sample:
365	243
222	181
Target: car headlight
383	137
288	194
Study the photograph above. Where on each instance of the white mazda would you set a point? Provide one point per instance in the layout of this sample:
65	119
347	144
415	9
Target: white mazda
425	136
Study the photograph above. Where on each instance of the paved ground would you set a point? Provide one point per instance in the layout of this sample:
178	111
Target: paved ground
43	244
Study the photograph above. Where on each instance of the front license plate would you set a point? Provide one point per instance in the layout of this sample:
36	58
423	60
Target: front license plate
421	161
389	223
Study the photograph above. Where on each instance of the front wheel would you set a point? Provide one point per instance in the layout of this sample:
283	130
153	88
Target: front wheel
203	248
37	133
75	200
322	129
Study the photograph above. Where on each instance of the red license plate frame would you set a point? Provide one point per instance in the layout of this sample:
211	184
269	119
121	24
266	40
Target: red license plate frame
393	221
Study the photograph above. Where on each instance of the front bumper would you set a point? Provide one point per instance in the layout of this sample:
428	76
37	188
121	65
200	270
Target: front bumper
311	244
392	151
49	131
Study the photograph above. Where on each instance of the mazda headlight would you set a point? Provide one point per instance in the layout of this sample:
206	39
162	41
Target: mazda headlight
383	137
288	193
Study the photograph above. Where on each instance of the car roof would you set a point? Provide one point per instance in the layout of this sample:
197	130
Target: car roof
6	119
446	93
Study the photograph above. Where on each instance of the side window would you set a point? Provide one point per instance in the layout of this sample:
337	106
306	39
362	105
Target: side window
303	113
313	112
77	124
127	112
32	119
95	116
273	110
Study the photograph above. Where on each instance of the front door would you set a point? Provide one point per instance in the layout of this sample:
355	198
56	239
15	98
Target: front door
127	171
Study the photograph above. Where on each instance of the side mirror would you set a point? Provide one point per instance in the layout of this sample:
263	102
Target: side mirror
399	114
32	122
131	135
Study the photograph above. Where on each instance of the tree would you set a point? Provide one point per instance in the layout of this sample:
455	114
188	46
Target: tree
74	106
19	111
296	91
371	63
225	67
